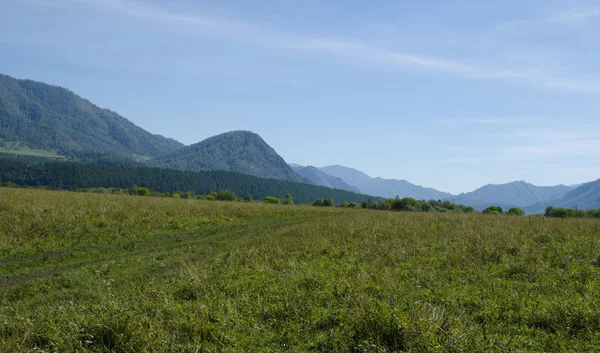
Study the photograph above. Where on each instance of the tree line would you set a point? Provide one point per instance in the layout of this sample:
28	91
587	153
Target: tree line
71	176
561	212
407	204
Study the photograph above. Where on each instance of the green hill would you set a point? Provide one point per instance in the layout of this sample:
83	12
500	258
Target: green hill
237	151
38	116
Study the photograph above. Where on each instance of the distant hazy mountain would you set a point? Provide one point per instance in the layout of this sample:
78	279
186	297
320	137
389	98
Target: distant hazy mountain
319	178
41	116
238	151
349	175
585	197
383	187
514	194
402	188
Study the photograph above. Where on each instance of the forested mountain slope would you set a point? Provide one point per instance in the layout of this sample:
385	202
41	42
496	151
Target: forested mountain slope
584	197
237	151
40	116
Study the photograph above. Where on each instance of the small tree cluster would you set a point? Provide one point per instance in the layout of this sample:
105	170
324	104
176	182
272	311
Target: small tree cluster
560	212
328	202
493	210
272	199
515	211
412	205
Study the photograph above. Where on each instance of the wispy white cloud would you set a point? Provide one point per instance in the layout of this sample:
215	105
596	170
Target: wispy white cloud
589	147
564	17
532	145
507	121
575	16
203	25
467	160
545	134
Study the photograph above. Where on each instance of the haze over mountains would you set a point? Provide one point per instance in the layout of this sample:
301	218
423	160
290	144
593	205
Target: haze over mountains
514	194
383	187
319	178
40	116
585	196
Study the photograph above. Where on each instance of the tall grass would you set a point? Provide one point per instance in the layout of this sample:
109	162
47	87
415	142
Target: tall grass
101	273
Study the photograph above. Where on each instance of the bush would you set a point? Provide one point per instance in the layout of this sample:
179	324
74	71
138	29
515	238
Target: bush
271	199
226	195
493	210
9	184
288	200
515	211
187	195
248	198
82	190
143	192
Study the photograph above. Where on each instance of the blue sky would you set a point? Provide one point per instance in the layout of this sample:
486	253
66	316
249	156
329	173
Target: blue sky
446	94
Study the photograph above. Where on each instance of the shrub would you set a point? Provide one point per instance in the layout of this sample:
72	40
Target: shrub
515	211
493	210
187	195
143	192
288	200
82	190
272	199
226	195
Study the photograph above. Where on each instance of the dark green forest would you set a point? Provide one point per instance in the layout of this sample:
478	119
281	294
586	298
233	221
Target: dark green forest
73	175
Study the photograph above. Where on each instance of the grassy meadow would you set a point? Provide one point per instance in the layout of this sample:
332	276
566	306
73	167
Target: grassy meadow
116	273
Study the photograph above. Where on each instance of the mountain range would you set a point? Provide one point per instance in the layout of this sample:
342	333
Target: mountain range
35	115
585	196
382	187
514	194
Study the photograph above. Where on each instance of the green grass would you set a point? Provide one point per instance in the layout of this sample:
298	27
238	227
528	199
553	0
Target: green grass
102	273
16	148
